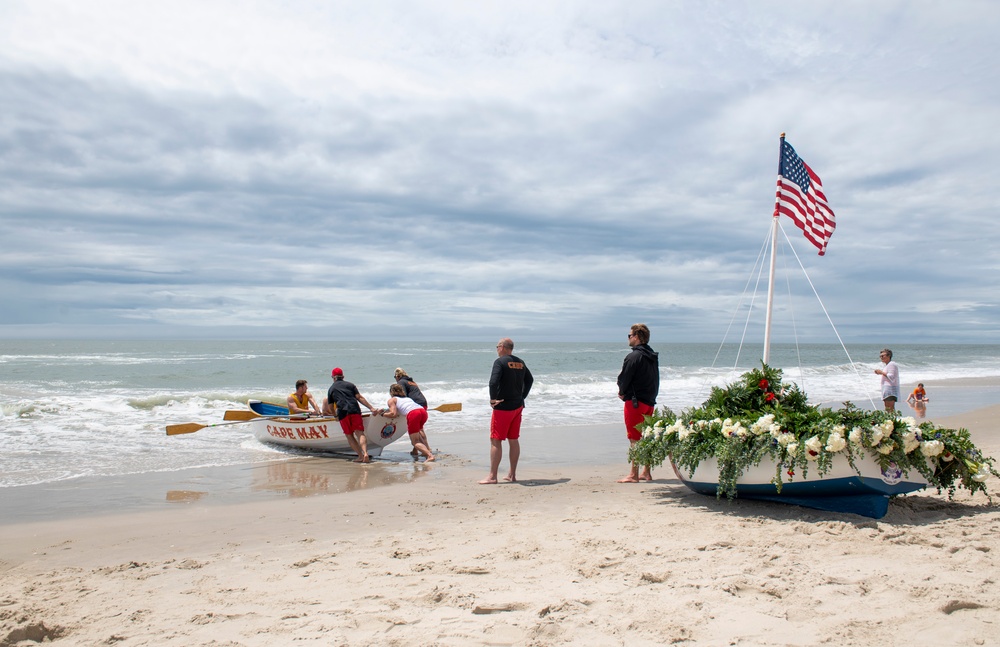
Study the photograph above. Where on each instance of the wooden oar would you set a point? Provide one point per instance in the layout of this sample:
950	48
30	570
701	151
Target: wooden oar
245	415
240	414
191	427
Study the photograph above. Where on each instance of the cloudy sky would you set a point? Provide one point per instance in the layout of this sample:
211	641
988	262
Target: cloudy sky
458	170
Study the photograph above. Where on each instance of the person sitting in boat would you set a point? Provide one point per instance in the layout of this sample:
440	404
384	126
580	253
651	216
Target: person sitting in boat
918	395
416	418
302	400
342	398
412	389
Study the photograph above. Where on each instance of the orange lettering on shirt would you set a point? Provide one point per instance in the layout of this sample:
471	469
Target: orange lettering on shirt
515	365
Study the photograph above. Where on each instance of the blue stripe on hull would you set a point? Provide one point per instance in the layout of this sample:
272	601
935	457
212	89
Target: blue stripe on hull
856	495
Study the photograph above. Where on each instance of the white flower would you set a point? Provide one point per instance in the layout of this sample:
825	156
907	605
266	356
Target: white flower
909	421
647	432
887	448
947	456
792	448
659	423
856	436
763	425
785	439
981	474
877	435
835	442
813	445
910	441
839	429
932	447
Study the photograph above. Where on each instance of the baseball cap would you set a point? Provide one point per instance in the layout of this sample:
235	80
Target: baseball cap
337	372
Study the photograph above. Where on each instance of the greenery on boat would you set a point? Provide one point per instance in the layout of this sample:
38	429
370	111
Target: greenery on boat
759	417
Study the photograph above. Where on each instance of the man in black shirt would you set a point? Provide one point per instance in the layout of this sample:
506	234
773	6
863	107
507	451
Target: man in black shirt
510	383
638	386
346	397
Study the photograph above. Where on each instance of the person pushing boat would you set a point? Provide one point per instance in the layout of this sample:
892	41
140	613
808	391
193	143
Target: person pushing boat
342	398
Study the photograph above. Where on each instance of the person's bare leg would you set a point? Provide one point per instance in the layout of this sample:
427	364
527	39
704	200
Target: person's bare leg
496	453
515	453
355	447
633	476
425	450
362	444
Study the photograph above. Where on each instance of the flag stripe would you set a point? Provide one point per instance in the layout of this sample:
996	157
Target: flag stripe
800	197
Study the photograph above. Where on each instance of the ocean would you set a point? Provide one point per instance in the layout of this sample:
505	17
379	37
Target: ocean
72	409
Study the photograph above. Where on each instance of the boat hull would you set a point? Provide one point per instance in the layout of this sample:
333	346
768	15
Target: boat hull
320	434
841	489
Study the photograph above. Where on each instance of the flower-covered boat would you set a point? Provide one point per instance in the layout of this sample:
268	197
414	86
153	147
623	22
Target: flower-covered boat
760	439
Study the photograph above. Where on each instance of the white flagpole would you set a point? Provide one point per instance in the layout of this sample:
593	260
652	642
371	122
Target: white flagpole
774	255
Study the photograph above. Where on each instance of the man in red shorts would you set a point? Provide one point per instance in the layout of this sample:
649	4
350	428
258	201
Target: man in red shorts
346	397
510	383
638	386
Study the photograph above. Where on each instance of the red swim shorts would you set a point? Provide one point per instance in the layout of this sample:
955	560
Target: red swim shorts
635	417
353	422
415	421
506	425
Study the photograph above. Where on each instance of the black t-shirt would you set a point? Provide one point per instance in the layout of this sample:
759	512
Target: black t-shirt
412	391
345	395
510	381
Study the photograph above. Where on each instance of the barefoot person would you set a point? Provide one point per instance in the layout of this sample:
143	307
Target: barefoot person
346	397
638	386
889	381
416	418
510	383
302	400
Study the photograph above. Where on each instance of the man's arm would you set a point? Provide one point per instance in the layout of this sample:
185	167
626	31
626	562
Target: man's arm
362	400
528	381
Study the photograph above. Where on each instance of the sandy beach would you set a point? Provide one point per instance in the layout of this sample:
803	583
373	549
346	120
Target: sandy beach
340	554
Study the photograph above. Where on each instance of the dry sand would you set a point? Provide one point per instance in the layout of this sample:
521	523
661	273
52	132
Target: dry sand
564	557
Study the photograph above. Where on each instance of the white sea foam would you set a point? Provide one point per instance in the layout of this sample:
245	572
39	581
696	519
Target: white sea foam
100	409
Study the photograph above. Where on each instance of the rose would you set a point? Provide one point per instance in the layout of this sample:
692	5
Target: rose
763	384
856	436
932	447
813	445
792	448
835	442
769	397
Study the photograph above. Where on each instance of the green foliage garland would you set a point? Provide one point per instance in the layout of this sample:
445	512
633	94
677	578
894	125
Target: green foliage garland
759	416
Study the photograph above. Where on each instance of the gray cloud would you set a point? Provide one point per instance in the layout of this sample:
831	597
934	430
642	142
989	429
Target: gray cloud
399	171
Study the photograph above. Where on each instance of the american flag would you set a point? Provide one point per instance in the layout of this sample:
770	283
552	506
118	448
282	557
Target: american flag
800	197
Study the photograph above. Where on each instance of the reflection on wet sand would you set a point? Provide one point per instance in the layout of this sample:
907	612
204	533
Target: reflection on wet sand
919	408
309	476
183	496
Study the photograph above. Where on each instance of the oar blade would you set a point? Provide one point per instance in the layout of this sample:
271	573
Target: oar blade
240	414
452	406
186	428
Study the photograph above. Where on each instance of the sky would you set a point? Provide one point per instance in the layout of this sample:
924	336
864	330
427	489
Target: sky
553	171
